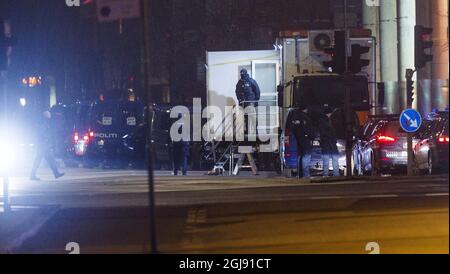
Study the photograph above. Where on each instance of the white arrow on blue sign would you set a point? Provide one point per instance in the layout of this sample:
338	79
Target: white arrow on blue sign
410	120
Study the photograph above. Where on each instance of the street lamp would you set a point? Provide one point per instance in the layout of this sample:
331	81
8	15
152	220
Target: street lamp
23	102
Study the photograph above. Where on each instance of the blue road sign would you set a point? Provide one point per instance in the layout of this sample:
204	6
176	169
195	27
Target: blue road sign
410	120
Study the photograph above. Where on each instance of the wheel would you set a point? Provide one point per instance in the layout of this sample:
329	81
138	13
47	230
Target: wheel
373	169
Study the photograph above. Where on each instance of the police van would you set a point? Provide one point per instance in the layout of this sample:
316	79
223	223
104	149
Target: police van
100	129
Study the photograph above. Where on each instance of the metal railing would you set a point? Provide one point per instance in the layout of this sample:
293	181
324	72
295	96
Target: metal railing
226	125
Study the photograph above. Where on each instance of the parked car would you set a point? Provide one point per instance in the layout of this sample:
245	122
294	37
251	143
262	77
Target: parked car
431	150
382	148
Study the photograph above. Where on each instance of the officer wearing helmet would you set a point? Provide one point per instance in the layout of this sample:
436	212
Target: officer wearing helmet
44	147
248	95
247	90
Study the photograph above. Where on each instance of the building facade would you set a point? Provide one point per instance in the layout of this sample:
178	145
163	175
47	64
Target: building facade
392	23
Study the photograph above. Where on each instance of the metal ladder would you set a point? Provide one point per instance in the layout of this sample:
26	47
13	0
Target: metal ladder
233	149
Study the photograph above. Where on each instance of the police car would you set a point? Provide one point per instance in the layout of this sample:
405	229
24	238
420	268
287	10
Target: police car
99	131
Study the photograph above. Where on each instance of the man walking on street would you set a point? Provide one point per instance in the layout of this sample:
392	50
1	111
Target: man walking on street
44	145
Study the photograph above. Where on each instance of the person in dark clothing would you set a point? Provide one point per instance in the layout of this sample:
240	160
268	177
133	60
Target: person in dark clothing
248	95
328	143
180	151
180	157
302	128
247	90
44	146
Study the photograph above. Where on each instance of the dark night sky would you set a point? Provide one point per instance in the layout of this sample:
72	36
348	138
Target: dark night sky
55	40
43	32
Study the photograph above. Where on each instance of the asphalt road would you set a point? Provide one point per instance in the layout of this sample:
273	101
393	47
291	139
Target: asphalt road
105	212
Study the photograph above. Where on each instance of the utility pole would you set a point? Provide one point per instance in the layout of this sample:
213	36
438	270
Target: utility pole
148	102
346	30
347	104
5	43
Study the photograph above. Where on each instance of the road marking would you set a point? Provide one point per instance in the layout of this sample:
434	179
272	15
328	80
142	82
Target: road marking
356	197
383	196
436	194
377	196
327	198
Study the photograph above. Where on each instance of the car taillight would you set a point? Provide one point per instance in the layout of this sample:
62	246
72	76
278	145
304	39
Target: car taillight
443	139
385	139
91	134
86	138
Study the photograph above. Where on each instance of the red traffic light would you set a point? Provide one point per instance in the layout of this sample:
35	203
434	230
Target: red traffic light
337	53
422	42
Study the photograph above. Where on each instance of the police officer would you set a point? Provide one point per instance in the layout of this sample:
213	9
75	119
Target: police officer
328	144
180	157
44	145
180	154
247	90
304	133
248	95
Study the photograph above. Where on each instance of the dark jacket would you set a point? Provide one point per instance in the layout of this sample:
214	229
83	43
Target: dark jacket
181	148
328	139
247	89
303	130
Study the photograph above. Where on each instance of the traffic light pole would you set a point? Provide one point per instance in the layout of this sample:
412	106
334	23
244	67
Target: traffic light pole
3	121
147	91
5	42
348	125
409	97
347	104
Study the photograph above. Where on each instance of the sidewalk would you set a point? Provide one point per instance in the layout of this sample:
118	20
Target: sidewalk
20	224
